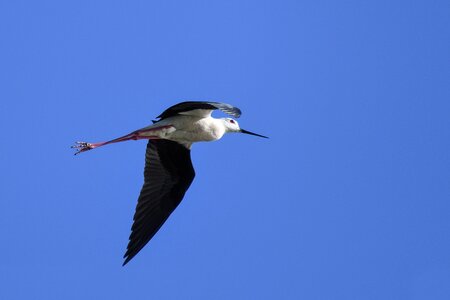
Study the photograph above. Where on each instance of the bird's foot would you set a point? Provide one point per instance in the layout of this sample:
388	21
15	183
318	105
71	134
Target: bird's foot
82	147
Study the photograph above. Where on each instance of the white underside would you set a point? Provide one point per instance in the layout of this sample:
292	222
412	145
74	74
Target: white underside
187	129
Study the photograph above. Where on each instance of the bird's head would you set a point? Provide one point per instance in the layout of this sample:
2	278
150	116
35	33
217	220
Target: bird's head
232	125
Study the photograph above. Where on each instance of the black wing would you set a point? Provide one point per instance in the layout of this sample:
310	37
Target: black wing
168	174
191	105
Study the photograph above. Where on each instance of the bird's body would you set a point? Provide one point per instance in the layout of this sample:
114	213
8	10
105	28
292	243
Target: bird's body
187	129
168	169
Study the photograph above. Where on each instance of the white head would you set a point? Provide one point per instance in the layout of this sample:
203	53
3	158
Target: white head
232	125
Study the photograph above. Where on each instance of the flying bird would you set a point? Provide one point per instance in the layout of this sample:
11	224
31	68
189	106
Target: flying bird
168	169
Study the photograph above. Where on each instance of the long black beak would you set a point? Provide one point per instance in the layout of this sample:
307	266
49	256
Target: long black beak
251	133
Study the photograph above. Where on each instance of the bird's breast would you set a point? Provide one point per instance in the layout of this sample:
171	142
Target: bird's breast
197	130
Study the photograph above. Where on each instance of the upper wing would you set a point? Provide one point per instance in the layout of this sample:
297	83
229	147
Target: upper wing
208	107
168	174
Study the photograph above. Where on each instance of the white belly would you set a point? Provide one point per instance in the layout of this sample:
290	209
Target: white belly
191	129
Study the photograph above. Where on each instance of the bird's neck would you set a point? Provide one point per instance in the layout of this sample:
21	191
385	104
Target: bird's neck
216	128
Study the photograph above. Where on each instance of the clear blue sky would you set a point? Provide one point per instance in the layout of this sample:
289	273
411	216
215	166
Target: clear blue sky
348	199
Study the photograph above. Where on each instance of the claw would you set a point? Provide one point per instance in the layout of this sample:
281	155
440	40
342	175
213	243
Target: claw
82	147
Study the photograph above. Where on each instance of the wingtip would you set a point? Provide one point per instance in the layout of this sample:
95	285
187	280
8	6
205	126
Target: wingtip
128	256
127	260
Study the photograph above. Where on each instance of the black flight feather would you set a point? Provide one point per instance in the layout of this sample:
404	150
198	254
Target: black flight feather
191	105
168	174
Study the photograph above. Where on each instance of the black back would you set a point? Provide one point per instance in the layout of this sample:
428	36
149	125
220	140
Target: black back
168	174
191	105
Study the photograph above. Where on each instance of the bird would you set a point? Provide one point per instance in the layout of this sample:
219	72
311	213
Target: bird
168	170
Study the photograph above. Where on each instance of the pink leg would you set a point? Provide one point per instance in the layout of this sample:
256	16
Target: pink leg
135	135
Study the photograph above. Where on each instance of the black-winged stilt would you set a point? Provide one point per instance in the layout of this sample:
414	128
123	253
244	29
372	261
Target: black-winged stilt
168	169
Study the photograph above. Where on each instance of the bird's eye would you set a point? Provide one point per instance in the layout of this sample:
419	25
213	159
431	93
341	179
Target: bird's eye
232	122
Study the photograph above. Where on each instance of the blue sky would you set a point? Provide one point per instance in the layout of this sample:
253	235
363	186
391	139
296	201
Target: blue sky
348	199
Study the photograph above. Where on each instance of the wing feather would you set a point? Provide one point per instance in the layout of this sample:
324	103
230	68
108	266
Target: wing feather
187	106
167	176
